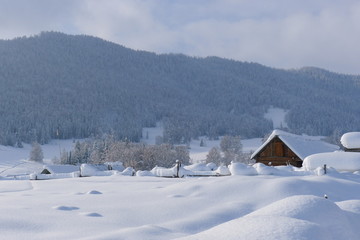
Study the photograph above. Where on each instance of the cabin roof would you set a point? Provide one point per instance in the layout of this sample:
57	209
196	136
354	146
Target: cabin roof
351	140
301	145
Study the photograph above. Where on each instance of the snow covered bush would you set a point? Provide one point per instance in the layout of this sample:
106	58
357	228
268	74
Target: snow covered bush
241	169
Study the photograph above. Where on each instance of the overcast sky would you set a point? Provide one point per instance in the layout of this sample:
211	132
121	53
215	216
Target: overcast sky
276	33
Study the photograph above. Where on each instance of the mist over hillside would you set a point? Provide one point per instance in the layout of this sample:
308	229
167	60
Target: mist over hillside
58	86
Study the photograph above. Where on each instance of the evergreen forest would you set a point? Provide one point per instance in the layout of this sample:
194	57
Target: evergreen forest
58	86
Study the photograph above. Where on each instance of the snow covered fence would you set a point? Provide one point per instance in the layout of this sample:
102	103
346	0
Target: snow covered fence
242	169
194	170
89	170
35	176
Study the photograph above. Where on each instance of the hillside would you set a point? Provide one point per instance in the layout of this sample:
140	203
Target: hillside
57	86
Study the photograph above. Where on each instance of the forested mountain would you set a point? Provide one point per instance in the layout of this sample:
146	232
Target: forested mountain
55	85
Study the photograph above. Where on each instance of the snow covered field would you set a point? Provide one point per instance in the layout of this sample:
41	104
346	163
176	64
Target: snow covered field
234	207
257	202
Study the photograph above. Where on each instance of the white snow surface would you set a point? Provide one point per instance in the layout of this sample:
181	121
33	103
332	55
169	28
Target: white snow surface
270	203
341	161
351	140
233	207
302	145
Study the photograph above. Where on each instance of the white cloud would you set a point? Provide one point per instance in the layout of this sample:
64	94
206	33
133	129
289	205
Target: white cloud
279	33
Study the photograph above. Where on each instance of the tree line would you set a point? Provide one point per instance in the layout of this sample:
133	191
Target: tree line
136	155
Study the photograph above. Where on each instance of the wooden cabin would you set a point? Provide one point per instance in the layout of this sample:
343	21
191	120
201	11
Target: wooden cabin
351	141
282	148
276	153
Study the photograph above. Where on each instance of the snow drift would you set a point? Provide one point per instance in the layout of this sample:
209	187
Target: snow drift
341	161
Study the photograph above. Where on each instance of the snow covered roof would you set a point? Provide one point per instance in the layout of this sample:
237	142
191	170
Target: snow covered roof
351	140
301	145
341	161
61	168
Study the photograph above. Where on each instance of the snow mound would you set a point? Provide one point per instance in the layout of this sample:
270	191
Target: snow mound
144	174
351	140
88	170
94	192
65	208
223	170
313	209
129	171
241	169
91	214
212	166
350	206
262	169
260	227
297	217
341	161
198	167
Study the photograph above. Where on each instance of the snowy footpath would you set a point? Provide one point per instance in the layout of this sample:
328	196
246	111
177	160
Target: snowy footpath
233	207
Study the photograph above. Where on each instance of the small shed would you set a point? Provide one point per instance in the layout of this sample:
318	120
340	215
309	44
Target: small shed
283	148
351	141
56	169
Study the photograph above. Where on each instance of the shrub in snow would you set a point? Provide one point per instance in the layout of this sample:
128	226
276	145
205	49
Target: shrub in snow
237	168
341	161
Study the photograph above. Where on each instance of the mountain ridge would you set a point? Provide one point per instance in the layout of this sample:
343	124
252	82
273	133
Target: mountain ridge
66	86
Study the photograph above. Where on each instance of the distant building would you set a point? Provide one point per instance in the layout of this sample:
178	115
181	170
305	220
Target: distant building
282	148
351	141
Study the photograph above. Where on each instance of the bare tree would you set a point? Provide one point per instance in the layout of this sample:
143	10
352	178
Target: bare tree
214	156
36	153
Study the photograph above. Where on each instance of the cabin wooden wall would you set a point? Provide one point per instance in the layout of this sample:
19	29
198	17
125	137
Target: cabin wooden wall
277	153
